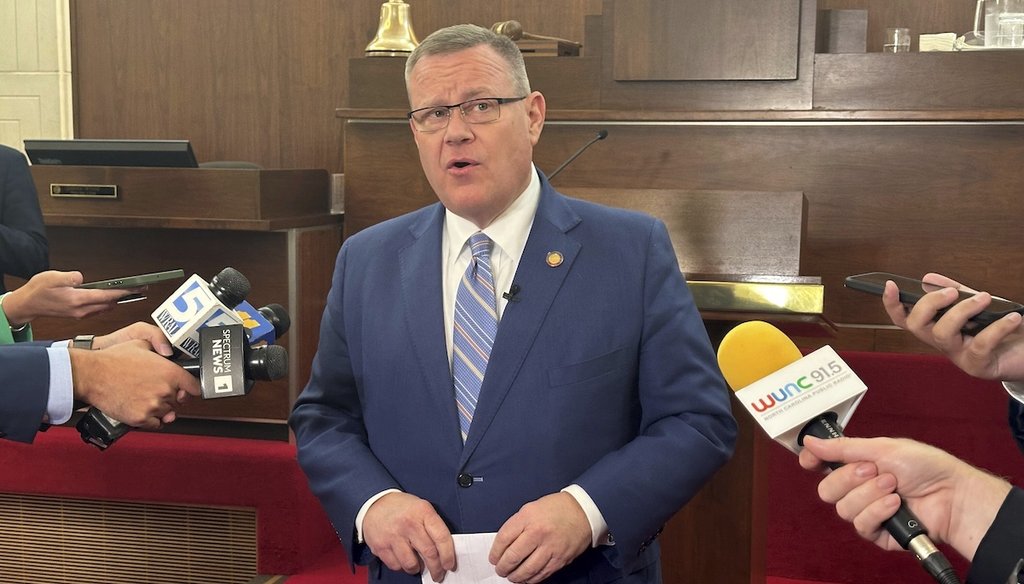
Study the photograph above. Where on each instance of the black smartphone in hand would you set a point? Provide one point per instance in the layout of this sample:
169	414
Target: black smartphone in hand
134	282
912	289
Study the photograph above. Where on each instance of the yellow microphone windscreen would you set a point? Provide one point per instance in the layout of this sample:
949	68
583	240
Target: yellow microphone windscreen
753	350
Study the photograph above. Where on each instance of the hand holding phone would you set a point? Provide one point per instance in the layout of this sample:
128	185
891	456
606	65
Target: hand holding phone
135	281
911	290
138	281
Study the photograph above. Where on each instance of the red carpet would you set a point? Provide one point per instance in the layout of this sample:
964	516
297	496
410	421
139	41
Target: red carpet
922	397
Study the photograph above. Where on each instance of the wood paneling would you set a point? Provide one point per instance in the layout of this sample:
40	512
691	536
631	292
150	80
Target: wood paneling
254	80
707	95
976	81
265	258
699	41
920	16
903	197
720	232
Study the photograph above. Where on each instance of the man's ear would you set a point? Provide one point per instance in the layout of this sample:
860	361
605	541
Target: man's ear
536	110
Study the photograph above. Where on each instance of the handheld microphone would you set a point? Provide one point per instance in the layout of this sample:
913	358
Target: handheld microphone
765	368
265	324
227	366
198	303
195	304
601	135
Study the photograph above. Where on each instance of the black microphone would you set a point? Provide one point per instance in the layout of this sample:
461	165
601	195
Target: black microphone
754	350
601	135
513	293
198	303
195	304
903	526
227	366
278	318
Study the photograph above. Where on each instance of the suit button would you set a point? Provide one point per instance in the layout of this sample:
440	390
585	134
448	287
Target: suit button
465	480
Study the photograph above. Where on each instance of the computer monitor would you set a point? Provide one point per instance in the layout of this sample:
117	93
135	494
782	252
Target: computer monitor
166	153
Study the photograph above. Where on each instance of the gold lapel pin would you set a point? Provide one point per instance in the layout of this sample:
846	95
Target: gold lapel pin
554	258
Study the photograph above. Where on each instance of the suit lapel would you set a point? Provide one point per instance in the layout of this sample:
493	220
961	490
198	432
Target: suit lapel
420	273
539	283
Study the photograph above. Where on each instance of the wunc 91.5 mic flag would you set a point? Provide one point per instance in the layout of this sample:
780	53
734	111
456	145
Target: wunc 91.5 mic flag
784	401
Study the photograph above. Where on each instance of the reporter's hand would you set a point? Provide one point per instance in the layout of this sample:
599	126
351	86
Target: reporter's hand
997	352
137	331
131	383
53	293
408	535
541	538
956	501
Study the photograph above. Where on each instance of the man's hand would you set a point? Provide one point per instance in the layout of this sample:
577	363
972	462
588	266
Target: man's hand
53	293
997	352
140	331
955	500
131	383
407	534
540	539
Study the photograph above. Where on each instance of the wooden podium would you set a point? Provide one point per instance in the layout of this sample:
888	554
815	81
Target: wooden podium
274	226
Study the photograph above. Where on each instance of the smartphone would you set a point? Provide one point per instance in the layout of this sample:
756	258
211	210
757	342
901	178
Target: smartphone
912	289
135	281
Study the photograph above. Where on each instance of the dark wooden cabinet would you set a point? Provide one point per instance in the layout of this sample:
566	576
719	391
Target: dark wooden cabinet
273	226
739	40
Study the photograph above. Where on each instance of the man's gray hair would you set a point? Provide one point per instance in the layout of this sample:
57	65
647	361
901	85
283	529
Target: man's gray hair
466	36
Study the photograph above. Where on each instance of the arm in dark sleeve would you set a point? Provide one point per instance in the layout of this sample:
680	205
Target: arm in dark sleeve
24	392
1001	550
23	247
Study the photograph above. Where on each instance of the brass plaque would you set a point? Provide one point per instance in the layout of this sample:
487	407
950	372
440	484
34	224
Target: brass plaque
768	297
72	191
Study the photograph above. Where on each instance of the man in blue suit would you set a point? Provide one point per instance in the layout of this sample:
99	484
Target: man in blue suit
23	247
509	361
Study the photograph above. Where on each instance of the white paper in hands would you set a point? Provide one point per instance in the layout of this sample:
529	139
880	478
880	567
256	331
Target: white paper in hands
472	566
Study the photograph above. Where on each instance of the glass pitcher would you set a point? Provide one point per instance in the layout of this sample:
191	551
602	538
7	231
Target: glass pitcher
1003	24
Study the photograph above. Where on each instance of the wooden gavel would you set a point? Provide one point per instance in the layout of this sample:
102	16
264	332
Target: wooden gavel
514	30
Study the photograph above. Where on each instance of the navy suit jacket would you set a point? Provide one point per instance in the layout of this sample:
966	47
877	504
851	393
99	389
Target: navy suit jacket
23	248
601	374
25	368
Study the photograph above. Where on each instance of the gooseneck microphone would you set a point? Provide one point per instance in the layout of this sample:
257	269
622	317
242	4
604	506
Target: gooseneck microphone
755	350
601	135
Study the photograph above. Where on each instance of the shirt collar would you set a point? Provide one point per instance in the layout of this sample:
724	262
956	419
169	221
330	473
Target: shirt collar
508	231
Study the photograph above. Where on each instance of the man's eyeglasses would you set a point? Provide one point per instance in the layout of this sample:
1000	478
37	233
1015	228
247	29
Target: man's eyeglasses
482	110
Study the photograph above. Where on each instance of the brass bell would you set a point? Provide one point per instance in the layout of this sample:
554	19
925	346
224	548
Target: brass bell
395	37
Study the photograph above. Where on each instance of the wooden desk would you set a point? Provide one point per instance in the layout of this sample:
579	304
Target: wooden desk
274	226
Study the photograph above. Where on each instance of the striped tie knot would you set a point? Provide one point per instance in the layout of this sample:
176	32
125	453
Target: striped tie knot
480	245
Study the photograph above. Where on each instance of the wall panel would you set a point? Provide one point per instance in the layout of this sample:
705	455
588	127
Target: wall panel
254	80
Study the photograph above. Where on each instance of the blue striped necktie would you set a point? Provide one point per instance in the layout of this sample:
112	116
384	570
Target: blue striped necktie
476	322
